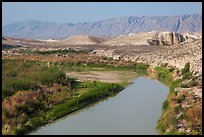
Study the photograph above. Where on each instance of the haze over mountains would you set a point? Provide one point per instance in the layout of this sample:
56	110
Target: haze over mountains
105	28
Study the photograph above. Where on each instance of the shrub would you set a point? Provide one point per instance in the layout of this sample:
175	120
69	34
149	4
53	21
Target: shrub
23	130
140	67
174	84
49	75
10	86
28	75
187	75
165	105
164	75
171	69
193	82
161	126
23	84
184	85
186	71
186	68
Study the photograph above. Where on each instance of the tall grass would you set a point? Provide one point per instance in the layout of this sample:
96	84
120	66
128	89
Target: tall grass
27	75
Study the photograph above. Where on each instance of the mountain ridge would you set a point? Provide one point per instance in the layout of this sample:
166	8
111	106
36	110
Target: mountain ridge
105	28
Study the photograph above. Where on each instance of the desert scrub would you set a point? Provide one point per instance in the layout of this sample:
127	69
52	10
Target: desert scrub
180	105
28	75
94	92
31	102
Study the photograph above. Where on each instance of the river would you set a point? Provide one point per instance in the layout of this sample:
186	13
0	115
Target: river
134	111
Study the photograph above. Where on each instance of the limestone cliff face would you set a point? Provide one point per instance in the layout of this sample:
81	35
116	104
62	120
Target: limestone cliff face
148	38
171	39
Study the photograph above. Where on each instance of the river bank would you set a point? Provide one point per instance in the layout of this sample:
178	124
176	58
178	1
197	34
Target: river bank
182	109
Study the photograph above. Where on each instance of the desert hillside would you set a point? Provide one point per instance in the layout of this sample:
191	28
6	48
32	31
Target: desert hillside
152	38
82	39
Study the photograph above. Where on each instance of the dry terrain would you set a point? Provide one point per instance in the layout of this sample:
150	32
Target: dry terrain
103	76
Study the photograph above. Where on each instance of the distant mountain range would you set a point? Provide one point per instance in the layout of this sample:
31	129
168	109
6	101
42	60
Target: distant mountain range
105	28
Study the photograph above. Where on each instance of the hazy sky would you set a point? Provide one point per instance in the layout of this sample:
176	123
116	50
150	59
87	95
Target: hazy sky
73	12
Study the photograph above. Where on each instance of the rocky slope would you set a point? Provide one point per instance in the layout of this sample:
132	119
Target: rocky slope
176	56
110	27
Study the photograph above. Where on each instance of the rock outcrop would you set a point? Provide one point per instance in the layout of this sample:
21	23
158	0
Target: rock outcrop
149	38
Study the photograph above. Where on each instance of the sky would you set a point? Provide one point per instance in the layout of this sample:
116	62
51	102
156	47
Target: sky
75	12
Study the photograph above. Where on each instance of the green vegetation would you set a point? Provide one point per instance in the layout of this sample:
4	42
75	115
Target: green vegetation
164	75
34	94
186	68
174	84
165	105
186	74
48	52
171	69
168	119
27	75
141	68
80	66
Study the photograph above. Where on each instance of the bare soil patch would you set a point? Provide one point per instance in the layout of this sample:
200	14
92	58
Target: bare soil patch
104	76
